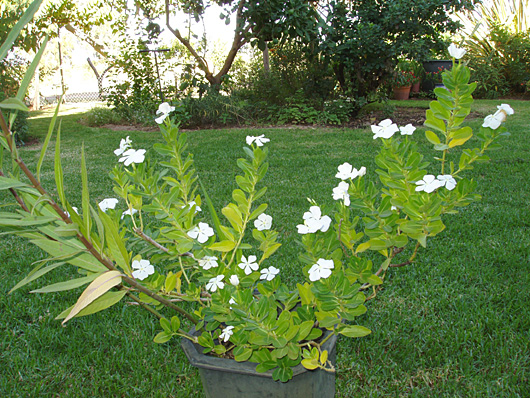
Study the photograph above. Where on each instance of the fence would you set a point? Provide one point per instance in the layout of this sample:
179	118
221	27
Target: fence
73	98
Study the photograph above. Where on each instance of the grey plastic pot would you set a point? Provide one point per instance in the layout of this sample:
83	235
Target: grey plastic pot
226	378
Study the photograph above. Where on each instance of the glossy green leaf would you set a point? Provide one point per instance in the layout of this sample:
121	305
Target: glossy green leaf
67	285
354	331
103	302
47	140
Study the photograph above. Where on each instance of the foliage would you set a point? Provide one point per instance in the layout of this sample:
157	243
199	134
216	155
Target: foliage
238	306
99	116
137	98
503	66
363	39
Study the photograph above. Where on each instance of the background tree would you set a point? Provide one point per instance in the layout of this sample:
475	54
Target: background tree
363	39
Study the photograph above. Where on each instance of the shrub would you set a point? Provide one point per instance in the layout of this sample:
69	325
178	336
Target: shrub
100	116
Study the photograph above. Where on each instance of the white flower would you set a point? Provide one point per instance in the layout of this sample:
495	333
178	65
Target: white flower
385	129
456	52
313	221
506	108
232	301
201	232
346	171
164	109
208	262
132	156
191	204
227	332
128	213
75	209
428	184
124	145
447	180
215	283
109	203
494	121
143	269
263	222
322	269
248	265
269	273
259	140
341	192
234	280
407	130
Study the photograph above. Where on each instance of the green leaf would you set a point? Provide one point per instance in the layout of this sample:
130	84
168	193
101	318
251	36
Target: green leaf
115	242
58	168
101	285
28	76
354	331
261	208
162	337
305	329
85	196
223	246
63	250
67	285
14	104
242	354
36	273
213	213
432	137
310	364
23	21
47	139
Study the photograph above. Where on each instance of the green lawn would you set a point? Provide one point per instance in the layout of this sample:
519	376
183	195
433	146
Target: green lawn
454	324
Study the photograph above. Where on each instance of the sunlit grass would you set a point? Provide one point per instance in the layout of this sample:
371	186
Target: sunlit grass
456	323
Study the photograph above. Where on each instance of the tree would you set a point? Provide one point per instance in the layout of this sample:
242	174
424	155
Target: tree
257	22
363	39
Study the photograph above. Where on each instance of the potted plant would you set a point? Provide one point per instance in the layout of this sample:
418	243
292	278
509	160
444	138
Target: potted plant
401	83
418	72
216	286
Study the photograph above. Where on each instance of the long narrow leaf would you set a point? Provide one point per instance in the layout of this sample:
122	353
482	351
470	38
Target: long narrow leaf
213	213
58	168
47	139
70	255
21	93
105	301
101	285
35	273
67	285
26	18
85	196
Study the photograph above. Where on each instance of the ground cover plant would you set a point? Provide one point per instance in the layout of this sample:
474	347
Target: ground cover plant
455	323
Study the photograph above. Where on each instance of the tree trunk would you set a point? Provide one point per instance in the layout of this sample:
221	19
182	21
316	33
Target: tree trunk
266	62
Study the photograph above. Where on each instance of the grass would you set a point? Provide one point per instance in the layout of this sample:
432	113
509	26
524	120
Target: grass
454	324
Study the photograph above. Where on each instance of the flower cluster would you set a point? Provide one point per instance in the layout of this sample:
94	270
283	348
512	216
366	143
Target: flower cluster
386	129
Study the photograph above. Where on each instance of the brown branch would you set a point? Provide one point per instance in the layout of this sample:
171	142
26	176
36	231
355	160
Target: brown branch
7	131
201	61
91	249
17	198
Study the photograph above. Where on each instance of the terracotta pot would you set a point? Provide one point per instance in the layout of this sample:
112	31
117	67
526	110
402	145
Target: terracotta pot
415	88
402	93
